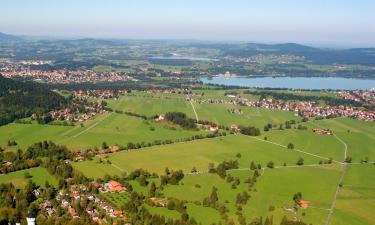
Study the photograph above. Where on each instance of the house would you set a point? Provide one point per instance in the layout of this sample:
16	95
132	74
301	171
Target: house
159	202
117	213
96	185
69	180
322	131
114	186
235	128
159	118
304	204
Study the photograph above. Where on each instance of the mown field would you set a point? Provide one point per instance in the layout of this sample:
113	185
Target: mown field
196	154
317	184
356	200
112	128
358	135
39	176
275	187
156	104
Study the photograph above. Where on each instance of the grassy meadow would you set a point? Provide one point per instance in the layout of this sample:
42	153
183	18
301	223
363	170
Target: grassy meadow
39	176
196	154
112	128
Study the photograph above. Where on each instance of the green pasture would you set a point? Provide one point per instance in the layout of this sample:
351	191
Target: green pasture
356	200
39	176
358	135
306	140
112	128
196	154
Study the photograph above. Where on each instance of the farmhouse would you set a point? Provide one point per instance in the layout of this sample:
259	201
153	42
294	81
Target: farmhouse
159	202
304	204
113	186
235	128
322	131
159	118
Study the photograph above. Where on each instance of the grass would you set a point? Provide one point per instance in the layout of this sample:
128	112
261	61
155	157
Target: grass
359	136
197	154
273	188
161	103
356	200
152	104
306	140
251	116
111	128
39	176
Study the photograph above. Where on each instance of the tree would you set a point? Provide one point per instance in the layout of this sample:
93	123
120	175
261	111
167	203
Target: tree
252	165
152	190
297	197
213	197
290	146
27	175
104	145
300	161
270	164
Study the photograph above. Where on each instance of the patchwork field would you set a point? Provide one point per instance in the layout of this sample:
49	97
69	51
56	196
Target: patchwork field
196	154
324	145
39	176
251	116
356	200
150	105
358	135
112	128
317	184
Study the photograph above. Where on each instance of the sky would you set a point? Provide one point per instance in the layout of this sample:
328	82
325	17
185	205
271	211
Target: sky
336	23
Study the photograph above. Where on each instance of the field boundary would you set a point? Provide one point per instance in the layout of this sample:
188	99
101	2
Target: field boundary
297	150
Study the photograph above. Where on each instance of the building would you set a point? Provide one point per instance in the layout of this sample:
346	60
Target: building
30	220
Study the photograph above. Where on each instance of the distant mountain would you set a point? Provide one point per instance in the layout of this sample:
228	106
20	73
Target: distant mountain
9	37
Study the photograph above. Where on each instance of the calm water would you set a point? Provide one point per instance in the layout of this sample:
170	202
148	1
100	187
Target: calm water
333	83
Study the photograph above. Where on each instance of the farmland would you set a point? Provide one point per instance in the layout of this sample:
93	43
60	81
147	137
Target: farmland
271	195
111	128
197	154
38	175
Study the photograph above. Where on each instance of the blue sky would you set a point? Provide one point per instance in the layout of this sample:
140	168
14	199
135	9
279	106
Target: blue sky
318	22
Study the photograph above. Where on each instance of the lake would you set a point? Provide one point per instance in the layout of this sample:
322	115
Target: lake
334	83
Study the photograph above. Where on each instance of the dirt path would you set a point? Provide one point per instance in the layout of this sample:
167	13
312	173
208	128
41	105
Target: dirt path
195	112
297	150
343	171
92	126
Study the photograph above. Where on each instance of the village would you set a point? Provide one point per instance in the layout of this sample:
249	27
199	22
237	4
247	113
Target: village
12	69
301	108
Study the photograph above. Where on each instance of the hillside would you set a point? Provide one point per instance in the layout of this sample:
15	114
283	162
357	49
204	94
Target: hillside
21	99
8	37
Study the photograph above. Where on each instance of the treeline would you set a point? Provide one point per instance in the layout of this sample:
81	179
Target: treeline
288	96
31	157
181	119
22	99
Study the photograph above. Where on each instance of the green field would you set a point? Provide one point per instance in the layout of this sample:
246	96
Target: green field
112	128
358	135
324	145
39	176
150	105
251	116
197	154
356	200
273	188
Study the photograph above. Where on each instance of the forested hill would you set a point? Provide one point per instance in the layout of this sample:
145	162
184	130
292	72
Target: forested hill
22	99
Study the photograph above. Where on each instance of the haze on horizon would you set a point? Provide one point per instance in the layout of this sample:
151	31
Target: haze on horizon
335	23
